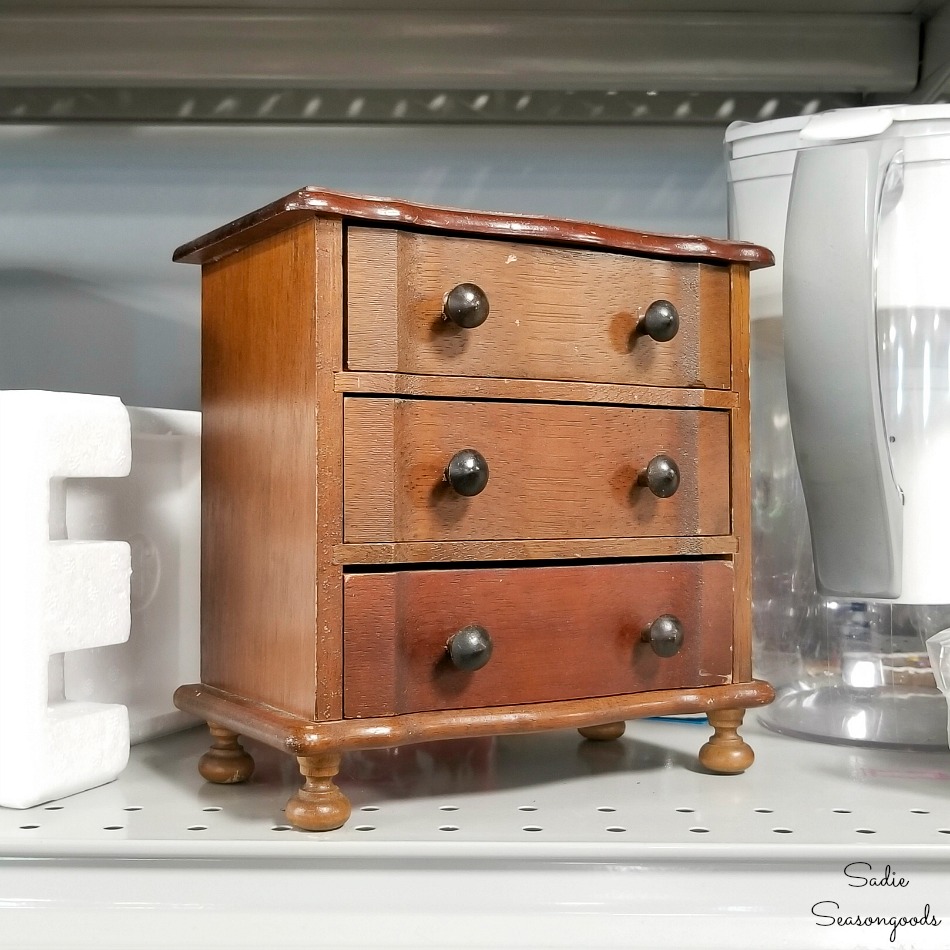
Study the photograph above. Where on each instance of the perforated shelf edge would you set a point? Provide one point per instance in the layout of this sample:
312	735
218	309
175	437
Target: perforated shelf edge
547	832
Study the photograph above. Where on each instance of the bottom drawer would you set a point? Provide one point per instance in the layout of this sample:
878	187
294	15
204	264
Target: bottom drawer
564	632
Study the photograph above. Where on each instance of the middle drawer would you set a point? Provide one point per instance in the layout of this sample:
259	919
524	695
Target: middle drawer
555	471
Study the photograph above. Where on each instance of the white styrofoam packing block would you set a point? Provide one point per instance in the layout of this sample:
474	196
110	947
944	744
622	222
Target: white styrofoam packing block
57	595
157	509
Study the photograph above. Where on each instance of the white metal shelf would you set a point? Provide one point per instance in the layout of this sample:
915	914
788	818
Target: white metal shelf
463	47
328	61
640	793
249	105
562	843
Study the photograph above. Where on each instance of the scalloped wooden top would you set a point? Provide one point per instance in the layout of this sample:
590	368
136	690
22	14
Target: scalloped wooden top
286	211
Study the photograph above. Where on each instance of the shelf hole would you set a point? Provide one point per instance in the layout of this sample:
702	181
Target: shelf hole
370	808
764	811
197	827
212	808
532	828
28	827
782	831
113	827
606	808
686	811
841	811
282	828
943	831
133	808
448	827
700	831
919	811
53	808
365	828
865	831
527	808
616	828
448	808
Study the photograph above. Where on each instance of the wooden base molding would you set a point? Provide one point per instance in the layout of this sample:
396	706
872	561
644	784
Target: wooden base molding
318	746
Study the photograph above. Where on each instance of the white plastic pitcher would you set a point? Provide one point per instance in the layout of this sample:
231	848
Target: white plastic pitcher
863	332
867	341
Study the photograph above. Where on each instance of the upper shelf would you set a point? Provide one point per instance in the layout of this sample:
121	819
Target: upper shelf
560	60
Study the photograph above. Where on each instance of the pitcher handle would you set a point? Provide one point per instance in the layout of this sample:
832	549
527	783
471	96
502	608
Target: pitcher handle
831	357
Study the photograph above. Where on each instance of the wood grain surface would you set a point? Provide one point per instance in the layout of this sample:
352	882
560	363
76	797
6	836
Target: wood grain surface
438	552
740	437
327	477
531	390
557	633
334	395
556	471
307	202
258	458
300	736
555	313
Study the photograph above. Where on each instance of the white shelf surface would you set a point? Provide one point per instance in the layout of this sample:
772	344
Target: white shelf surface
542	840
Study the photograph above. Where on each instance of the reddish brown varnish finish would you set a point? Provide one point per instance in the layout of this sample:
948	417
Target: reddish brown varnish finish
741	450
439	552
557	633
532	390
298	736
556	471
315	471
309	202
555	313
258	459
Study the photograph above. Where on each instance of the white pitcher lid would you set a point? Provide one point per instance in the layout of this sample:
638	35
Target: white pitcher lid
836	125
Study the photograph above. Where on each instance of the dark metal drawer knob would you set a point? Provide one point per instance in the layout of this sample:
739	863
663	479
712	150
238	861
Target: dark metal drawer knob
466	306
467	472
665	635
661	476
470	648
661	322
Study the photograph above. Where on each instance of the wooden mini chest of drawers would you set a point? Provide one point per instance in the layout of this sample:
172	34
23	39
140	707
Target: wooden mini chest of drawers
467	474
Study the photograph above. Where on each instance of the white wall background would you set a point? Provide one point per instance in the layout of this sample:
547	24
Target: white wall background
90	215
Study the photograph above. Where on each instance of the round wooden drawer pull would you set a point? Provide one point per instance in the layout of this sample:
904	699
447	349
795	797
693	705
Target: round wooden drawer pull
665	635
467	472
661	322
466	306
470	648
661	476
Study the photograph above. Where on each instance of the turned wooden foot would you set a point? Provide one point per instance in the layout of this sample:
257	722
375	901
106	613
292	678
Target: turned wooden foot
225	762
319	805
726	752
604	732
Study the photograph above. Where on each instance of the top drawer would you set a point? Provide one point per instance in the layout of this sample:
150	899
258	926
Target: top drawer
554	313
